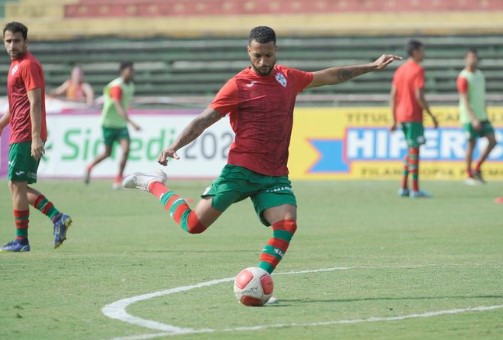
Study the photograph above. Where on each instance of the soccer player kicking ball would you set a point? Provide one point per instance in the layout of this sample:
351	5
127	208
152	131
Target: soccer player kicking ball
473	115
407	104
260	102
26	113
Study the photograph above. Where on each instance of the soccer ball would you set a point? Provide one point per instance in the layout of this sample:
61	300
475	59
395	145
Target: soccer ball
253	286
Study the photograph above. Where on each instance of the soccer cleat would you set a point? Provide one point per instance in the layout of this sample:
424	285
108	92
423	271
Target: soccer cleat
403	192
473	181
142	181
117	184
499	200
61	226
419	194
15	247
478	176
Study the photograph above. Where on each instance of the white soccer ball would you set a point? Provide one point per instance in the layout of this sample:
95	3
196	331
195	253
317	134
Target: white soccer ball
253	286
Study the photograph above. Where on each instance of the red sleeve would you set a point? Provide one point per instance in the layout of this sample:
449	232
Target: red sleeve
302	79
462	84
116	92
419	81
32	76
226	100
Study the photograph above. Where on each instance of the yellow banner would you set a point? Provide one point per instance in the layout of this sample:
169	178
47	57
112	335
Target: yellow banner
355	143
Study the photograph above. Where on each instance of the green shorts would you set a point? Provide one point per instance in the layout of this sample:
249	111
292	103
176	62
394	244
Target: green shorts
236	183
22	166
110	135
414	133
471	133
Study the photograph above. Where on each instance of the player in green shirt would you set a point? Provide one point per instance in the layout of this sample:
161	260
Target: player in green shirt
473	115
117	96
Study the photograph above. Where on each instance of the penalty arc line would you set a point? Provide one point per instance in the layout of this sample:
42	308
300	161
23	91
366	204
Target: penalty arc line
117	311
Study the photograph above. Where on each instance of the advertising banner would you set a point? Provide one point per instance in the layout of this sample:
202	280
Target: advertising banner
356	143
327	143
75	139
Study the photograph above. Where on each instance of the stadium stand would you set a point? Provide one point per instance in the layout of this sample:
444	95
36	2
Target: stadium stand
199	67
189	48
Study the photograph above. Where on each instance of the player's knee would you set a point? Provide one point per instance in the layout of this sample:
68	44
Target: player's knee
193	225
288	225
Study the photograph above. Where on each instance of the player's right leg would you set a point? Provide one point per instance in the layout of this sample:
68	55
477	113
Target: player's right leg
22	170
108	138
21	217
193	221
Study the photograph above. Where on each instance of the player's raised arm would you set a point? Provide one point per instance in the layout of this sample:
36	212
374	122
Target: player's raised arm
336	75
193	130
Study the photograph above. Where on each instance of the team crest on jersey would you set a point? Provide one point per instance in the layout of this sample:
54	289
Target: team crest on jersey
14	70
280	78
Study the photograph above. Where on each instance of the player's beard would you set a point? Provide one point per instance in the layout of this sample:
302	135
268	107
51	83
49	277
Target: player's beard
264	70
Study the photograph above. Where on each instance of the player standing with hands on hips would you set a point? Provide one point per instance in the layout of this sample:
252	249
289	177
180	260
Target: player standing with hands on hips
26	114
260	101
407	103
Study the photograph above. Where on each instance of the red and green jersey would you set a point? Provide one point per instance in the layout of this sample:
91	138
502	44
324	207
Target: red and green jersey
25	74
261	115
408	78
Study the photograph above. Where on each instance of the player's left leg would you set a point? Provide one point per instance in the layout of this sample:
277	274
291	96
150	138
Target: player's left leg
61	221
283	221
491	144
276	206
124	143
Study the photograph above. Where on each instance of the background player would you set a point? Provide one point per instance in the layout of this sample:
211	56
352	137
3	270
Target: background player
260	102
117	96
26	113
76	88
407	104
473	115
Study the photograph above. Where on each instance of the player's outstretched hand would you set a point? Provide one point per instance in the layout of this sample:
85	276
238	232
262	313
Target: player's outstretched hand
383	61
165	154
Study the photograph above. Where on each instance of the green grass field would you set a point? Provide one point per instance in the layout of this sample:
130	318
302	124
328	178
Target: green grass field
404	269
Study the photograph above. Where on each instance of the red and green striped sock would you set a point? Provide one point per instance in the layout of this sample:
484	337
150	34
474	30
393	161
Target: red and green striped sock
22	218
46	207
275	249
177	208
405	178
414	167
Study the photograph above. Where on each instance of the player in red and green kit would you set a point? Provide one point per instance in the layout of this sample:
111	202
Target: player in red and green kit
26	114
117	97
407	104
260	101
473	115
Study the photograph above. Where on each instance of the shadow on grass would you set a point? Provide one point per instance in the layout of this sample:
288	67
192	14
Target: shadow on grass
291	302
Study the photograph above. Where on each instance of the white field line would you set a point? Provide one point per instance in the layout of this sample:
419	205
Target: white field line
117	311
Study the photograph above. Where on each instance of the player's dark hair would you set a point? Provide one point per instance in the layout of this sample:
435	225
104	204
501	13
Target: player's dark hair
262	35
125	64
472	50
413	45
16	27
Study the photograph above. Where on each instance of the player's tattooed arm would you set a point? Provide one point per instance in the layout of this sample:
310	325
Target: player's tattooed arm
193	130
336	75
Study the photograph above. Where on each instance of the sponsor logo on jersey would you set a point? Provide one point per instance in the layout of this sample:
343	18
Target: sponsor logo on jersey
280	78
